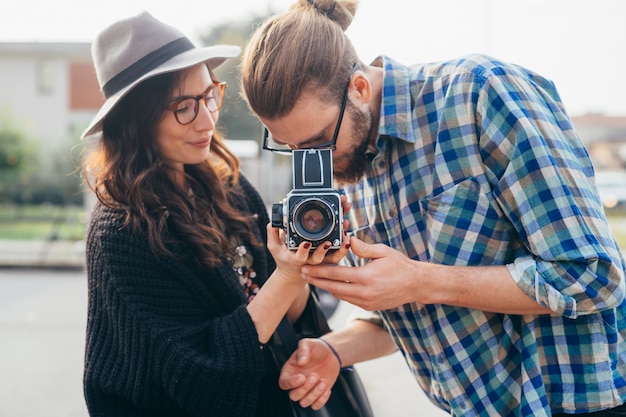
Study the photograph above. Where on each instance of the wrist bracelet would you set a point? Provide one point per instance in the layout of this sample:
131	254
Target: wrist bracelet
332	349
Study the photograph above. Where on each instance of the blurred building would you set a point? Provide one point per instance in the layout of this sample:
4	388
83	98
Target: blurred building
605	138
48	89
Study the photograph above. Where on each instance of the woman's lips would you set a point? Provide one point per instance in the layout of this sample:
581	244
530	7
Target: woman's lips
201	143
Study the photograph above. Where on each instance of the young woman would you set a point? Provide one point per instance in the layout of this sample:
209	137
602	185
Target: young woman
183	294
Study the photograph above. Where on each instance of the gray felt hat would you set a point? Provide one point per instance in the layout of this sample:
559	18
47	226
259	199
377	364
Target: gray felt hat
135	49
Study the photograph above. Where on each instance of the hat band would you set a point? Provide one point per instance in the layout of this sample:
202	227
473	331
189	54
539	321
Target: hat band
145	65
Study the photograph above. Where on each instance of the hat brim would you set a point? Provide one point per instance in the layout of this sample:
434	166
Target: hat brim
214	56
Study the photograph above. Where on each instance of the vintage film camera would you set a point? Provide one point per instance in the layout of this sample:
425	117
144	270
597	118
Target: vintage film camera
312	210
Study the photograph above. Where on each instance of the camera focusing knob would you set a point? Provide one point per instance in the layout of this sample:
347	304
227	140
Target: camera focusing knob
277	215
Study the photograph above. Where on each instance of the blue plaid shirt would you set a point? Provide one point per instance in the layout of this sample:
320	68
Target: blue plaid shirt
479	164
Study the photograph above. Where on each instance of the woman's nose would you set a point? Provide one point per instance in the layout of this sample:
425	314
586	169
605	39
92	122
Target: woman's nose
206	118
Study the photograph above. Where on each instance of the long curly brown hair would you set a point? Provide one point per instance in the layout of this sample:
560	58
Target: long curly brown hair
126	171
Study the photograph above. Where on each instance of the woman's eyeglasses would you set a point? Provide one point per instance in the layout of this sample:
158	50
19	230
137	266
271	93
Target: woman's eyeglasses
186	108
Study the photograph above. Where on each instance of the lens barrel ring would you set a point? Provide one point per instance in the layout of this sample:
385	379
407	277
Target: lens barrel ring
313	218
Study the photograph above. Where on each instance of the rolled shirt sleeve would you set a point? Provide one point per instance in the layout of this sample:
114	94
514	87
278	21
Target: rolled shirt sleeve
542	180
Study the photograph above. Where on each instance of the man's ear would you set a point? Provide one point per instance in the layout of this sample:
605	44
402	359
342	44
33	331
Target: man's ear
361	87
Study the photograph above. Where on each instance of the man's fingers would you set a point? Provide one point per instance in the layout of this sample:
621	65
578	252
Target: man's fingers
360	248
329	272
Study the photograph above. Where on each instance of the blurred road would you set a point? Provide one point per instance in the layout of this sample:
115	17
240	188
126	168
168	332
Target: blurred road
42	328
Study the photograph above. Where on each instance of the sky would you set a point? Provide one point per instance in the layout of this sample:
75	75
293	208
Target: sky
578	44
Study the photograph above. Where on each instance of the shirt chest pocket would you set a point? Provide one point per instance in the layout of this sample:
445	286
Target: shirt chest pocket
466	226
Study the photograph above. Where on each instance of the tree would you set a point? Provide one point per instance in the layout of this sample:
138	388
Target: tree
236	119
57	180
17	157
31	173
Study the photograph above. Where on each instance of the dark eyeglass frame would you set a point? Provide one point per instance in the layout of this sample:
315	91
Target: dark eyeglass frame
328	145
217	88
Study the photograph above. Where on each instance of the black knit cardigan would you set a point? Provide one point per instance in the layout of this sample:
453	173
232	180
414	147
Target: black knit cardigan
169	337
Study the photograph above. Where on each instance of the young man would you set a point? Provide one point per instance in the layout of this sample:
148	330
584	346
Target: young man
480	244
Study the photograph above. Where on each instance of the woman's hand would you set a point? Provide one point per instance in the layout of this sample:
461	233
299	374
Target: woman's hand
289	262
310	373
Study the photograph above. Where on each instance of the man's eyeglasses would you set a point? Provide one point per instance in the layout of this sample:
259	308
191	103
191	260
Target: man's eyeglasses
186	108
270	145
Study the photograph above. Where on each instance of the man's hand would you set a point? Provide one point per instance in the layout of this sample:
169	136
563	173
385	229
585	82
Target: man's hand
310	373
388	280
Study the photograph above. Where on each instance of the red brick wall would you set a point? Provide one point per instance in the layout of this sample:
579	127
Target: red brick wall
84	90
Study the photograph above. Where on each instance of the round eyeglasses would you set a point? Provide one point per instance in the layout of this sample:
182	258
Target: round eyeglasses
186	108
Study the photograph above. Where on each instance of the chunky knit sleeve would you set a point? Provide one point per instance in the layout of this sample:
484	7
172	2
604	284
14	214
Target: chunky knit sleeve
165	336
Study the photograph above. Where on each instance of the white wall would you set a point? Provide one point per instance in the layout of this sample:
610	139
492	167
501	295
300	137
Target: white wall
42	116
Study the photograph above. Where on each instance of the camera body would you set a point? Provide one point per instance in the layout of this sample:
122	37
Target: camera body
312	210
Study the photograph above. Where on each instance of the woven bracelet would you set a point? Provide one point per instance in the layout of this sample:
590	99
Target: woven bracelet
332	349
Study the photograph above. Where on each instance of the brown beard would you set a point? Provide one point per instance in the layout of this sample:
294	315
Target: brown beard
357	161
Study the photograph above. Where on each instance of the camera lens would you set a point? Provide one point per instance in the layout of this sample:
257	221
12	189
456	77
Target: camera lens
313	219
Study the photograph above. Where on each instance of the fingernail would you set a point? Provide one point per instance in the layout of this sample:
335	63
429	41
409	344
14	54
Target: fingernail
307	245
348	245
326	246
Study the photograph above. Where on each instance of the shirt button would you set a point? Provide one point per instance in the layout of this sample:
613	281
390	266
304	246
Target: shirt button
436	388
392	213
382	164
440	359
